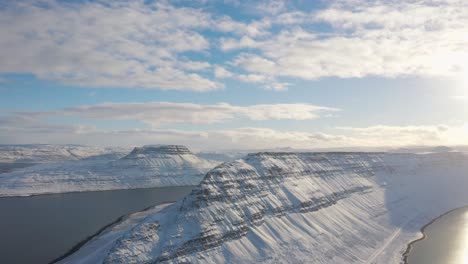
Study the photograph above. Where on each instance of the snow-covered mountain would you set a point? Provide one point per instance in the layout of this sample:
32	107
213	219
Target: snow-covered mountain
295	208
145	167
44	153
13	157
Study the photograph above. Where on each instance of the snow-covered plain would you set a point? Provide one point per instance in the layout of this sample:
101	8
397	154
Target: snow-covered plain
295	208
145	167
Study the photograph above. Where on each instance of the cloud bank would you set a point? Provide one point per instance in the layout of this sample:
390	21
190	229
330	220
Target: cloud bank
166	113
28	128
193	46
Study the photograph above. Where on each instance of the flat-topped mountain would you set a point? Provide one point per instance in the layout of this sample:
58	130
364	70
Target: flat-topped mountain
295	208
157	150
143	167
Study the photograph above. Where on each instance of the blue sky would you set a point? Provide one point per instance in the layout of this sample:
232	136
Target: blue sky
230	74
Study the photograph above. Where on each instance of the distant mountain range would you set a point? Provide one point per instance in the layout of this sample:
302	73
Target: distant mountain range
144	167
45	153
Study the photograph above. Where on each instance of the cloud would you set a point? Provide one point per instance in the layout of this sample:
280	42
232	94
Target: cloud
31	124
117	44
409	135
165	113
240	138
147	45
271	6
371	38
221	73
27	128
268	80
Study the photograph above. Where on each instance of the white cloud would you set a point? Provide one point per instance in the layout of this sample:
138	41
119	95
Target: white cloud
241	138
29	127
254	63
227	44
409	135
31	124
136	44
252	78
194	65
95	44
374	38
221	73
165	113
271	6
277	86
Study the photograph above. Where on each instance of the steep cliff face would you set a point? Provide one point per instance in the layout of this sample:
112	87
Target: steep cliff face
300	207
156	151
144	167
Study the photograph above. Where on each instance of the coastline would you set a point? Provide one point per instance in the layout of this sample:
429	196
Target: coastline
119	220
28	195
423	229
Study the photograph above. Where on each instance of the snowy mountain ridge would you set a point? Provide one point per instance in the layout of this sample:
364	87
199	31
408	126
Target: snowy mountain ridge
44	153
298	207
144	167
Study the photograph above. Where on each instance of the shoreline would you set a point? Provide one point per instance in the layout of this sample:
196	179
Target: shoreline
86	191
83	242
423	229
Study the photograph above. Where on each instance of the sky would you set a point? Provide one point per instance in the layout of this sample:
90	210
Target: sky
233	74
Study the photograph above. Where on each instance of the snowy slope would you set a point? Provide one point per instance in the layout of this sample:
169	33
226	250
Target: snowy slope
145	167
13	157
43	153
299	208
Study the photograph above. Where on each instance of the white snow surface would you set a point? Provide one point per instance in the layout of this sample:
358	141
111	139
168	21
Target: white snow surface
97	247
297	208
144	167
45	153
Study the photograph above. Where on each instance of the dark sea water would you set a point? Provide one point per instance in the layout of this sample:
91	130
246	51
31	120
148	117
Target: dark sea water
39	229
446	241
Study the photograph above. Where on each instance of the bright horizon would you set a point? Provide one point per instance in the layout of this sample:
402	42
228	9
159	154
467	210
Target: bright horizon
219	75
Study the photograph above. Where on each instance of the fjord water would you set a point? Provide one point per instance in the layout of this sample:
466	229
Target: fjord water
446	241
39	229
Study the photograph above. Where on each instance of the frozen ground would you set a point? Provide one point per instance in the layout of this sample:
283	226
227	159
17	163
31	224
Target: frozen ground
297	208
145	167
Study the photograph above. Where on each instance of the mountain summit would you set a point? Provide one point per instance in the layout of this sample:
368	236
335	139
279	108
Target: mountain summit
157	150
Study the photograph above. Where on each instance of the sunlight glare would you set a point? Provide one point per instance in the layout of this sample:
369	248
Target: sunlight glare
461	256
